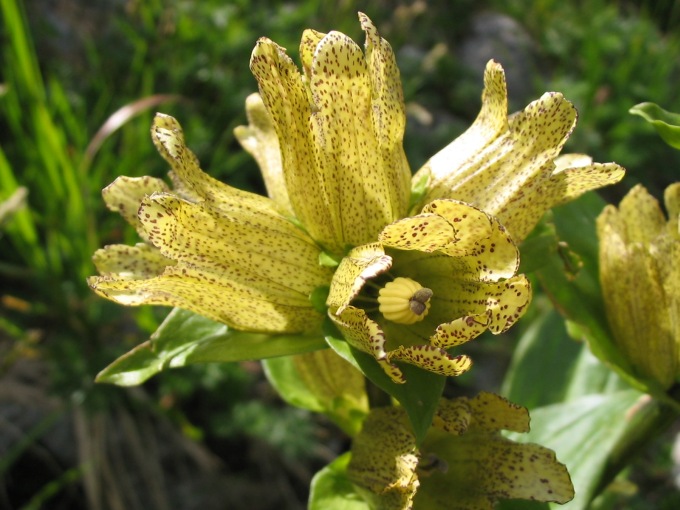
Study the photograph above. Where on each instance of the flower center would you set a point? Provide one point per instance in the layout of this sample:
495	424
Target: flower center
404	301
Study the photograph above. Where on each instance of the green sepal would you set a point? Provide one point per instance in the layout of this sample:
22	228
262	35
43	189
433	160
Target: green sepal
186	338
328	260
318	298
667	124
332	490
419	395
418	190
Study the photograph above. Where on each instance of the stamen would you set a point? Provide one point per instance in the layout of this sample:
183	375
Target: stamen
404	301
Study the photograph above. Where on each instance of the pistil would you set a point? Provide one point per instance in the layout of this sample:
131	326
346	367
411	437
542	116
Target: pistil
404	301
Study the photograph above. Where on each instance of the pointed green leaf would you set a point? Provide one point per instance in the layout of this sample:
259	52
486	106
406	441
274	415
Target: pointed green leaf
545	353
331	490
667	124
186	338
567	369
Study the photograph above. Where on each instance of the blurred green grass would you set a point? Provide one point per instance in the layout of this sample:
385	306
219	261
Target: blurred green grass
67	67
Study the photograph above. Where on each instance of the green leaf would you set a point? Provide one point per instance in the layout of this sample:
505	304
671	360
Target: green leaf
584	433
667	124
545	353
566	368
185	338
328	260
419	395
332	490
535	246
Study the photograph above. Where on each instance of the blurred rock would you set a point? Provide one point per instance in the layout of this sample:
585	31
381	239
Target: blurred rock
500	37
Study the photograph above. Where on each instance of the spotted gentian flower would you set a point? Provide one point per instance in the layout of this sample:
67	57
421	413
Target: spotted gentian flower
640	277
404	284
463	463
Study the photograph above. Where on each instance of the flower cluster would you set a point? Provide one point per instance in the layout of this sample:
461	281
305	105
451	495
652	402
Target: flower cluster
405	283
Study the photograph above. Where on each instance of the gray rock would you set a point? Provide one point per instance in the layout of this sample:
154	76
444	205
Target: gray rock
500	37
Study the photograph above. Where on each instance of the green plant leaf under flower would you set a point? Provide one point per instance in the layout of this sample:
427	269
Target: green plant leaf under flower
185	338
667	124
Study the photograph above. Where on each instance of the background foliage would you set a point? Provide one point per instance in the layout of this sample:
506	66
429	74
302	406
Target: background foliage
212	436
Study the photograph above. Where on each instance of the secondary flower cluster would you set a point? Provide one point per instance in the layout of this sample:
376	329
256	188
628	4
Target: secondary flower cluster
463	463
405	283
640	276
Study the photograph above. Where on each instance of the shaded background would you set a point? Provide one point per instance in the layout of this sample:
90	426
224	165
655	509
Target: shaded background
217	436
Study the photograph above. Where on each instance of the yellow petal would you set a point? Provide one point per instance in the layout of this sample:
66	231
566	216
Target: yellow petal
272	256
463	463
130	262
424	232
192	184
357	179
506	167
384	459
672	200
483	467
345	169
260	140
284	95
126	193
641	216
484	248
450	167
365	334
360	264
459	331
223	253
433	359
339	388
310	40
506	302
572	176
493	413
241	306
389	114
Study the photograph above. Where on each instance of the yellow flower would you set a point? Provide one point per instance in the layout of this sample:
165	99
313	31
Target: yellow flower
329	144
432	282
223	253
463	463
640	277
340	127
509	166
